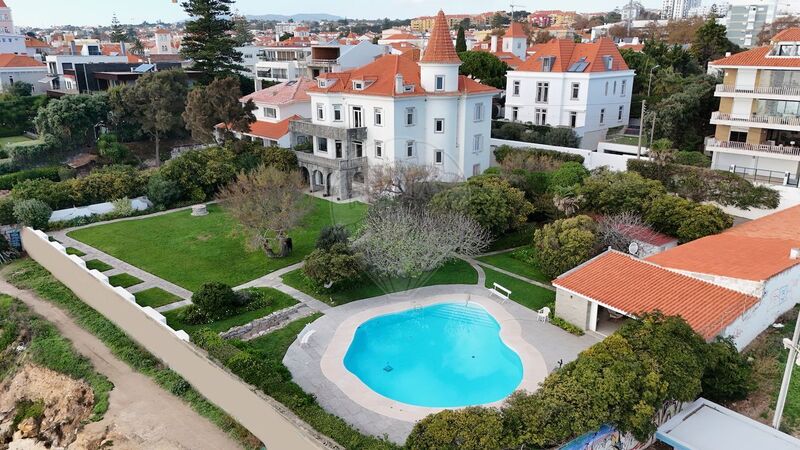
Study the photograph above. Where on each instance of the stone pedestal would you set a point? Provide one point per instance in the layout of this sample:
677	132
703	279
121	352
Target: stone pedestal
199	210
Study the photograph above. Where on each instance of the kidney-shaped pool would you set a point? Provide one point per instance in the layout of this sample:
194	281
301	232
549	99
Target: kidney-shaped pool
443	355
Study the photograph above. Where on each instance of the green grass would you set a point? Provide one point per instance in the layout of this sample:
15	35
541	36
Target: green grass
190	251
507	262
260	363
155	297
75	251
524	293
280	301
628	140
14	140
517	238
96	264
27	274
123	280
456	272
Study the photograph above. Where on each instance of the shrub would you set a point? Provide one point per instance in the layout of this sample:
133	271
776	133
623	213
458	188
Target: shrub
282	159
7	211
472	428
162	191
48	191
107	184
122	207
561	137
501	152
690	158
9	180
215	301
728	375
564	244
109	147
332	266
331	235
702	221
200	173
607	192
568	175
32	213
489	200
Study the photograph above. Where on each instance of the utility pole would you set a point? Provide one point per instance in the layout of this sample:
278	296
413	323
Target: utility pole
641	127
791	360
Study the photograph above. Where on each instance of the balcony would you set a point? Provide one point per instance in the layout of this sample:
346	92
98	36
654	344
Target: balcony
778	151
765	92
321	62
305	126
788	123
331	163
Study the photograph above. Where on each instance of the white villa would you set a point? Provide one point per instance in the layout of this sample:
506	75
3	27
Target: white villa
583	86
396	110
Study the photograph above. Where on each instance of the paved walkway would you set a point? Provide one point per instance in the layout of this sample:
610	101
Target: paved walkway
479	269
556	346
519	277
139	409
273	280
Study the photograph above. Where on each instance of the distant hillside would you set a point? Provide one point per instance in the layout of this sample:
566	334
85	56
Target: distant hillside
311	17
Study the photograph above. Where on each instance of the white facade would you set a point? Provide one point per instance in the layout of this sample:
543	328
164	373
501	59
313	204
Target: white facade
678	9
31	75
603	101
163	43
6	21
12	43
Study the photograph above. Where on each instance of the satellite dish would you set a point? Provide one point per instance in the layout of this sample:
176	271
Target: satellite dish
633	248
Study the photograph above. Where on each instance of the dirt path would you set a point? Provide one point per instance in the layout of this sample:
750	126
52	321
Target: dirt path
139	410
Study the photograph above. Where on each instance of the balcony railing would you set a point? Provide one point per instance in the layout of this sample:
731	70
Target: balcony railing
331	163
321	62
305	126
763	119
763	148
731	89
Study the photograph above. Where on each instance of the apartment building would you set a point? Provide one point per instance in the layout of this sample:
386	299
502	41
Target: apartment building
395	110
426	23
584	86
21	68
745	21
758	123
678	9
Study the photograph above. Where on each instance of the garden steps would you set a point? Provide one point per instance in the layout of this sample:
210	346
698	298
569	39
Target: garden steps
174	305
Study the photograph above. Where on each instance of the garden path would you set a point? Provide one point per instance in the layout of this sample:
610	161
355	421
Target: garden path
514	275
273	280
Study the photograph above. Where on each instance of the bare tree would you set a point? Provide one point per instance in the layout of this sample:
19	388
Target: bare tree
619	230
410	183
267	203
401	241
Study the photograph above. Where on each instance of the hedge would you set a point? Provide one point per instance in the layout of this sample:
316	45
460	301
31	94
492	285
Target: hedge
501	152
9	180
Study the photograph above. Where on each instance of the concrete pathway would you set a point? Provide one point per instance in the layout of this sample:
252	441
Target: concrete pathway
519	277
273	280
139	409
479	269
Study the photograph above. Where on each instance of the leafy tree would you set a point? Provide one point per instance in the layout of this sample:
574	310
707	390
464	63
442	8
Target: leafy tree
267	203
703	220
121	119
499	20
109	147
32	213
568	175
208	41
666	214
214	301
20	89
472	428
490	200
72	119
217	104
282	159
461	40
331	235
163	192
241	31
118	33
484	67
157	101
285	36
728	375
17	113
332	266
609	192
561	137
565	244
199	174
710	42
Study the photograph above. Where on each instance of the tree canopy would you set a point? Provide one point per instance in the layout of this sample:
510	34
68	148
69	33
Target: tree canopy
484	67
710	42
217	103
71	120
208	41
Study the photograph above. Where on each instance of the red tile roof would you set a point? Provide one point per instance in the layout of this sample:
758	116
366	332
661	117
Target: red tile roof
509	58
757	57
515	30
284	93
755	250
272	130
380	79
568	52
633	286
788	35
3	4
13	60
34	43
401	37
162	31
440	47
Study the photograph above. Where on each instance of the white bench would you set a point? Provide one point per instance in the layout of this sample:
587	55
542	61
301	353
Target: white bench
501	292
306	337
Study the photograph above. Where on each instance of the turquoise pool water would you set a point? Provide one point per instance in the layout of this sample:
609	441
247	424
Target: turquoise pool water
443	355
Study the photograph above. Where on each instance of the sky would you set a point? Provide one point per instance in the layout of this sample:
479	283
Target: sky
99	12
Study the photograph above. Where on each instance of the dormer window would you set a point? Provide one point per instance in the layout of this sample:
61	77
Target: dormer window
322	82
439	86
547	63
358	85
609	62
408	88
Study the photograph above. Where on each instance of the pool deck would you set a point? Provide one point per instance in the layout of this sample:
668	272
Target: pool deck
319	369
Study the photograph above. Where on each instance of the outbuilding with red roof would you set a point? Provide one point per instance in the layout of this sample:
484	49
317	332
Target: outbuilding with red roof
21	68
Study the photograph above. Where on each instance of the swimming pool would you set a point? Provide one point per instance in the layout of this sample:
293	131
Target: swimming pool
443	355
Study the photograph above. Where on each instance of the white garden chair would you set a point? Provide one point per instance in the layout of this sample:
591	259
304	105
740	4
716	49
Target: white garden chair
544	314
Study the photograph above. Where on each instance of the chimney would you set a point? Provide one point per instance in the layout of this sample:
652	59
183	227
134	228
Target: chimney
73	49
493	47
399	84
794	253
122	50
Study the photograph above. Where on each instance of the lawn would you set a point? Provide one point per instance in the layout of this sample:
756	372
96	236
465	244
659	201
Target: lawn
123	280
96	264
280	301
14	140
516	238
155	297
456	272
273	346
524	293
628	140
507	262
190	251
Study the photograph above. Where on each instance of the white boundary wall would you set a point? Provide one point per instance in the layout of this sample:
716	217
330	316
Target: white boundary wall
263	416
591	160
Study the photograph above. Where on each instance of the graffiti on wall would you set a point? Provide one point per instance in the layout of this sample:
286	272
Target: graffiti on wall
609	438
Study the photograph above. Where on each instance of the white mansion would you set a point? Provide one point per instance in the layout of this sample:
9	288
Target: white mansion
396	110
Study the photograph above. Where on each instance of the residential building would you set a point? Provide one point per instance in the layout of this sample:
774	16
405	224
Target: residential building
21	68
37	48
74	74
584	86
289	63
395	38
6	21
678	9
745	21
10	40
276	106
164	43
285	27
758	123
426	23
511	48
396	111
734	284
549	18
602	30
